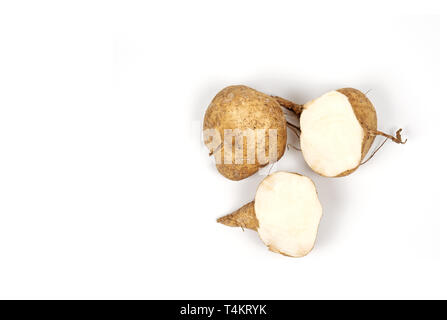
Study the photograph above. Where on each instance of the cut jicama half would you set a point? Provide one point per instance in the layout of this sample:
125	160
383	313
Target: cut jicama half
337	131
332	137
286	213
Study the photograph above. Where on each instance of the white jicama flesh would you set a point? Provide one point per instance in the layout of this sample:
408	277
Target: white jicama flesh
331	135
288	213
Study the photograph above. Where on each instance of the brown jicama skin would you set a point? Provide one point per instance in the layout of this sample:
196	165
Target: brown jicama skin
366	115
243	217
240	107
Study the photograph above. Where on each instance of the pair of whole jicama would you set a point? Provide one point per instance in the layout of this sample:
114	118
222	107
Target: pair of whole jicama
336	132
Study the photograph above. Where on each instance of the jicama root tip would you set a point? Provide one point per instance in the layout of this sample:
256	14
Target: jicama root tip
244	217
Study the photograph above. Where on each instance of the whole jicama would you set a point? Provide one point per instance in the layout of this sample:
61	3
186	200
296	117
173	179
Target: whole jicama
245	130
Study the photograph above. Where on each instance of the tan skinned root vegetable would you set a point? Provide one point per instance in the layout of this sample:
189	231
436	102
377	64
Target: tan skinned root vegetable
255	126
337	131
286	214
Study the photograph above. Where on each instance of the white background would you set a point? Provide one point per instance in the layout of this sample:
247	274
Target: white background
107	192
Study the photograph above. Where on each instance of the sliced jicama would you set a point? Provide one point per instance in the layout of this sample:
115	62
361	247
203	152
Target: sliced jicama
286	213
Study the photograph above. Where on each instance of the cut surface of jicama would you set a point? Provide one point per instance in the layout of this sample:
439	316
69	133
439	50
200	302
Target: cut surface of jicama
288	213
331	135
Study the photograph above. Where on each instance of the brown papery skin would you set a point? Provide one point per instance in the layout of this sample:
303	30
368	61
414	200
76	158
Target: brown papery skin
244	217
367	117
241	107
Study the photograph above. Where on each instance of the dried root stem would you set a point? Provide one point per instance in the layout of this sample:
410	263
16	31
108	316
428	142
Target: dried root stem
397	139
297	108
